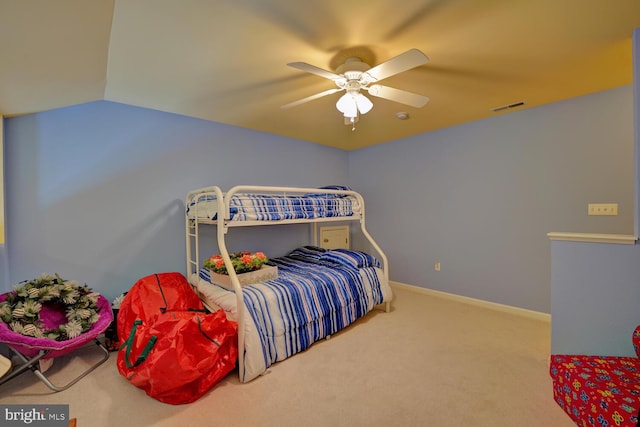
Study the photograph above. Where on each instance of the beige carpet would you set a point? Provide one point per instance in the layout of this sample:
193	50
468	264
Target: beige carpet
429	362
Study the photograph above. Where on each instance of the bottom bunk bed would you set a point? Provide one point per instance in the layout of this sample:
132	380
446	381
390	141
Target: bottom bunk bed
317	293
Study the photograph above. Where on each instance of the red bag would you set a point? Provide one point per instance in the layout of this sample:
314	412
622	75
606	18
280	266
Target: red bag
170	347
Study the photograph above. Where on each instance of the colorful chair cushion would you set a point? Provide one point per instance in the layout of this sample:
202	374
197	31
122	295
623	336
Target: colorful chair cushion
597	391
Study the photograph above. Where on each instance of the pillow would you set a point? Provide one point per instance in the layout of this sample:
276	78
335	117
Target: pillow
330	187
350	258
635	338
336	187
307	252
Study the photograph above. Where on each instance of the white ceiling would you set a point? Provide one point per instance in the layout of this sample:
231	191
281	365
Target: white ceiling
225	60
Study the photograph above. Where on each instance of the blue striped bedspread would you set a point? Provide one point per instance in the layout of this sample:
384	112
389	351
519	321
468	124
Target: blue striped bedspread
313	297
261	207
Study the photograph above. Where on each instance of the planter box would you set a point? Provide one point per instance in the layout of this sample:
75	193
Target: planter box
267	272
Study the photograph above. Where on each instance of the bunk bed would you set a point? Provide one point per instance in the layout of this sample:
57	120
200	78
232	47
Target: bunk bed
317	291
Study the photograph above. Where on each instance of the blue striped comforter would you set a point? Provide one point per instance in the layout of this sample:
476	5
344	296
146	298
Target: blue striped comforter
261	207
312	298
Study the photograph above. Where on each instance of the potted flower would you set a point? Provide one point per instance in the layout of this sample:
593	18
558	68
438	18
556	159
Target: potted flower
249	267
243	262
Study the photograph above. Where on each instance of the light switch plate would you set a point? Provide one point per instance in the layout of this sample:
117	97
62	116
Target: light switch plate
602	209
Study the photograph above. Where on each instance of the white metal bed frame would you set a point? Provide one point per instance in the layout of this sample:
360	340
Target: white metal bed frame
223	222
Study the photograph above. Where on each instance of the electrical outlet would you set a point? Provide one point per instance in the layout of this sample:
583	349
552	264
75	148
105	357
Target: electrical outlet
602	209
436	266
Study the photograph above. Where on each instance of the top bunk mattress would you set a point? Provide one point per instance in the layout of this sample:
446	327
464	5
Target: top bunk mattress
276	207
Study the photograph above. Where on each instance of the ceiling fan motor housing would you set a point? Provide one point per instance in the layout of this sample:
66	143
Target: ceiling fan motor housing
352	64
352	86
354	72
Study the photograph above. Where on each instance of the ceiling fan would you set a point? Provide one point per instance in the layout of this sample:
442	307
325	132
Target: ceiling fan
355	75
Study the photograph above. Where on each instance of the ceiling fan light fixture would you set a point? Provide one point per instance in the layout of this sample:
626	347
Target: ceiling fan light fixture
350	104
347	105
363	103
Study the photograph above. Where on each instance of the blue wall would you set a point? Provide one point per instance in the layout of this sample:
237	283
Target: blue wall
596	286
481	197
595	298
95	192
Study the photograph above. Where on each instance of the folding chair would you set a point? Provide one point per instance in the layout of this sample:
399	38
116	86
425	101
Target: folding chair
30	351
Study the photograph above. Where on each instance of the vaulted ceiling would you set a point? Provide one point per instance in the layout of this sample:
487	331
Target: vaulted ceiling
226	60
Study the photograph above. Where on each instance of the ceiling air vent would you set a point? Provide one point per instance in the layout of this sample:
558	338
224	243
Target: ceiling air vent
507	107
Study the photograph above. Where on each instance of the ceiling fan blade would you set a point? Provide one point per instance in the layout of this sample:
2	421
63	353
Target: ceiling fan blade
398	95
310	98
403	62
314	70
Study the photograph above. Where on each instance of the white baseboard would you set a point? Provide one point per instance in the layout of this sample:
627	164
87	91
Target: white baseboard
538	315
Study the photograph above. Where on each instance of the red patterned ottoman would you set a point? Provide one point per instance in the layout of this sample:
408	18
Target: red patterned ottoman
600	391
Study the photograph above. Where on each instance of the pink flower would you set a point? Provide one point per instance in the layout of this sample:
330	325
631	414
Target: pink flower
242	262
